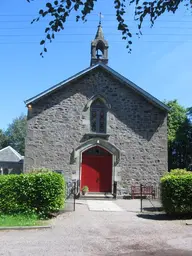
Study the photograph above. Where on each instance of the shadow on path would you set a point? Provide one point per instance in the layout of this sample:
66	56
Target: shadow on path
153	209
162	216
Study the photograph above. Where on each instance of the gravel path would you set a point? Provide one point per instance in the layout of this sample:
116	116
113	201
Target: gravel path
90	233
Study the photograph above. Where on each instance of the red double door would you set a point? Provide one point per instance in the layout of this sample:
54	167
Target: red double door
96	172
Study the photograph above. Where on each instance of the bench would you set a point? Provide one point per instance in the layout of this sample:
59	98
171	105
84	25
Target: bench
142	191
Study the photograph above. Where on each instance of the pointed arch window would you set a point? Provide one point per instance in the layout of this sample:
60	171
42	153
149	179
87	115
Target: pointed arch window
98	116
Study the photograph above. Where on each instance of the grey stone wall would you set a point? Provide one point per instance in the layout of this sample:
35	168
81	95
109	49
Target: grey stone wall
57	125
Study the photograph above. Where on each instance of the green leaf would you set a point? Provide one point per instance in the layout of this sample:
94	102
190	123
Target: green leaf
41	11
48	5
48	36
47	29
42	42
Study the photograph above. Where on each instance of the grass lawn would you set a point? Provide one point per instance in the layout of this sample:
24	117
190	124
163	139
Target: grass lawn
20	220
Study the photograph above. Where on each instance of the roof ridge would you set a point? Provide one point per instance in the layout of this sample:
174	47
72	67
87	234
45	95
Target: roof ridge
13	150
110	70
136	87
28	101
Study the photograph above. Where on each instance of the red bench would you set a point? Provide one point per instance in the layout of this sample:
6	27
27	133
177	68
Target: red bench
142	191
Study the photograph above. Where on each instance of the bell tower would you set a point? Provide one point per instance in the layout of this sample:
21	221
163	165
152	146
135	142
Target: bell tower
99	48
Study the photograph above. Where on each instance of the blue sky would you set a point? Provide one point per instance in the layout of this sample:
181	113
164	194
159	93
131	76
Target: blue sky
160	63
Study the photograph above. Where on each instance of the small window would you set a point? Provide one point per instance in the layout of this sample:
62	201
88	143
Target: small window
98	116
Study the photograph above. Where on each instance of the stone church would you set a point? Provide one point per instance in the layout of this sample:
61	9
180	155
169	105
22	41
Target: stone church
98	127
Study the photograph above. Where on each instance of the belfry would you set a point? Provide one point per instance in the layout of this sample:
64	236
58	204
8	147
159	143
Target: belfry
99	48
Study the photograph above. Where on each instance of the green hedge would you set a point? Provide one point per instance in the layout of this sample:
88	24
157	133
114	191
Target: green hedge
177	192
38	192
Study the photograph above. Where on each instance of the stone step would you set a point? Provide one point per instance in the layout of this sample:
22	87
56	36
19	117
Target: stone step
97	196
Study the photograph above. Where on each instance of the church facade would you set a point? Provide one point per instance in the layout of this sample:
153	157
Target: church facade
98	127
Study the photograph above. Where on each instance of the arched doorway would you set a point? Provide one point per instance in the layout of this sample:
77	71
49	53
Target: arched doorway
96	172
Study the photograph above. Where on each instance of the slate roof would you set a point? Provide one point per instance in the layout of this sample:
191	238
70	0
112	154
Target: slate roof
109	70
9	154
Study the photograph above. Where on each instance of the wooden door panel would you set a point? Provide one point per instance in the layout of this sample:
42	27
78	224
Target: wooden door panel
105	171
97	173
90	174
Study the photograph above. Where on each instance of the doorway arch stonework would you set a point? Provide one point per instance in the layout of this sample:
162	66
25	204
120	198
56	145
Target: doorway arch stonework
76	157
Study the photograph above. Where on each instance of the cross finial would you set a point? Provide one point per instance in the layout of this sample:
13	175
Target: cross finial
100	16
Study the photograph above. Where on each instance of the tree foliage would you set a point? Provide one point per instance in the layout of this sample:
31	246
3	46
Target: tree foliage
176	118
179	136
61	10
16	133
3	140
189	112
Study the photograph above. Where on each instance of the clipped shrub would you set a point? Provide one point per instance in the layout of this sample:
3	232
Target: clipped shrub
179	172
41	193
39	170
176	194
